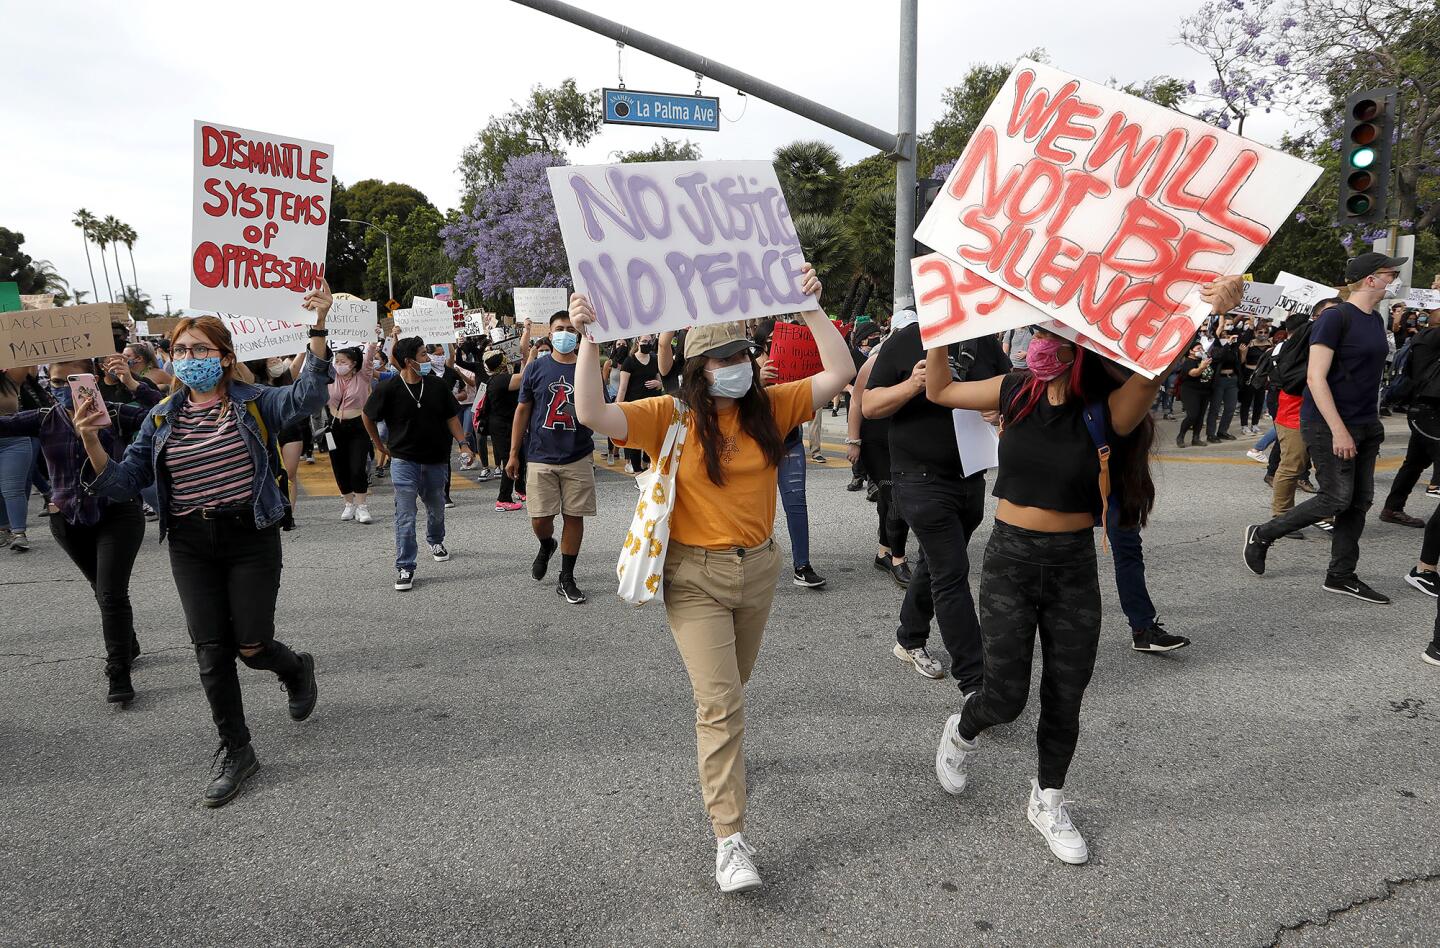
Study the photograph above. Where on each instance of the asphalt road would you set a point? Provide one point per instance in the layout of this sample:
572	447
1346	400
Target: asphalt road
488	765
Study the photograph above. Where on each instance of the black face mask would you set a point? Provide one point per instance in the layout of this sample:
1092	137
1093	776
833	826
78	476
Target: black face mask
647	347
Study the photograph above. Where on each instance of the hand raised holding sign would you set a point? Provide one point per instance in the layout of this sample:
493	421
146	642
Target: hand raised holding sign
582	313
810	283
1224	294
319	301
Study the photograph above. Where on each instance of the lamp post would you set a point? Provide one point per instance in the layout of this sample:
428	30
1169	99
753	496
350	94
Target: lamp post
389	284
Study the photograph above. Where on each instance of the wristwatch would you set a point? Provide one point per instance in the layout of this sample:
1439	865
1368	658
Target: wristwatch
854	441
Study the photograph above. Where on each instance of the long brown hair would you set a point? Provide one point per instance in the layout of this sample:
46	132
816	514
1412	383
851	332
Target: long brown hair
756	417
214	330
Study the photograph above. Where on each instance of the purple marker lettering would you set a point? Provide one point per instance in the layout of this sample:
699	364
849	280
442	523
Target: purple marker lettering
684	270
640	186
699	222
590	200
605	290
640	271
715	274
751	281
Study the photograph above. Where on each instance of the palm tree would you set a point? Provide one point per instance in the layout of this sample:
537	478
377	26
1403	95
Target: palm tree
113	234
85	221
51	280
809	173
101	235
128	238
828	248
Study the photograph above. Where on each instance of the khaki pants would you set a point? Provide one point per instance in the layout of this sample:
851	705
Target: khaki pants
1293	454
717	603
814	443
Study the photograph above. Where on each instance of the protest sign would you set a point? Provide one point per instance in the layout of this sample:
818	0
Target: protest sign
259	338
1258	299
142	327
511	348
477	323
955	304
1108	211
1298	294
352	322
793	352
387	325
442	291
429	319
9	297
667	244
536	304
261	219
162	325
1423	299
42	336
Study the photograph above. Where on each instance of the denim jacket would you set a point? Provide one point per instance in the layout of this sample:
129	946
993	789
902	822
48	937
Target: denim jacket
123	479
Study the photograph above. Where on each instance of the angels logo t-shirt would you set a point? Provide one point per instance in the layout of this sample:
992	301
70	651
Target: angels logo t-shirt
555	437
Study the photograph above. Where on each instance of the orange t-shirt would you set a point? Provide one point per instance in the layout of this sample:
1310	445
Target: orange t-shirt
742	512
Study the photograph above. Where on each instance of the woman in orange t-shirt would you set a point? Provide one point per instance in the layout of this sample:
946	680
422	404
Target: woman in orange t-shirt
722	565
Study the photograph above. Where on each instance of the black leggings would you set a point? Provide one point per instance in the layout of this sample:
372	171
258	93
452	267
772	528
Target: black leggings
892	532
501	443
352	451
1196	401
638	459
1047	581
106	555
1252	404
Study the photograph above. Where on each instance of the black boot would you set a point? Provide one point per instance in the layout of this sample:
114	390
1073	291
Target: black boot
302	689
235	769
134	647
121	691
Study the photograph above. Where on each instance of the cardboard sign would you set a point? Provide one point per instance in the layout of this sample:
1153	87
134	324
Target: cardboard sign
387	325
37	300
352	323
955	304
162	325
1258	299
1107	211
1299	295
429	319
257	338
1423	299
667	244
261	219
59	334
536	304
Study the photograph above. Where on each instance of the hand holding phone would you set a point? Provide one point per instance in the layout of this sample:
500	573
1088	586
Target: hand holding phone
83	392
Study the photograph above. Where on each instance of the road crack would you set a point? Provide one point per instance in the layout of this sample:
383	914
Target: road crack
1392	886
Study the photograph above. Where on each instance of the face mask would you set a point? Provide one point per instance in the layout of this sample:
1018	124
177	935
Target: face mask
276	370
732	381
647	347
438	361
423	368
564	341
63	396
377	365
342	369
1043	358
1392	289
201	375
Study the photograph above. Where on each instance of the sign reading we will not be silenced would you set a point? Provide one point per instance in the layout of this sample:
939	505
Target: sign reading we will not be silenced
261	221
42	336
668	244
1108	212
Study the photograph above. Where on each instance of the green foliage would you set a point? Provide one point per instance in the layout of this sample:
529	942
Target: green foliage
964	107
549	120
665	150
809	173
826	241
137	302
16	266
417	256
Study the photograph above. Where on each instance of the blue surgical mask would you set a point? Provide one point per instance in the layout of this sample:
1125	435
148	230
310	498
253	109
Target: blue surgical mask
63	396
732	381
564	341
423	368
200	375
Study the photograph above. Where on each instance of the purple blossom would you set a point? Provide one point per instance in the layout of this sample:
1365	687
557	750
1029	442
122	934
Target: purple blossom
1190	87
943	169
1346	240
1282	59
1300	216
512	236
1287	24
1251	27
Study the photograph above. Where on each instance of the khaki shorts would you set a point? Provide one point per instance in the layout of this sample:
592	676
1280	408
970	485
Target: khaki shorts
568	489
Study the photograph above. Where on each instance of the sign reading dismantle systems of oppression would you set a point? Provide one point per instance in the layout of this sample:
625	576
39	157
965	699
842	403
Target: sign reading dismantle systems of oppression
668	244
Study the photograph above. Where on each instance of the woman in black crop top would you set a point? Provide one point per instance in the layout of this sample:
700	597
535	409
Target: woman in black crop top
1039	570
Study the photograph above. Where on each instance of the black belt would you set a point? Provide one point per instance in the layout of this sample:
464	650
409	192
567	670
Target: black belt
228	512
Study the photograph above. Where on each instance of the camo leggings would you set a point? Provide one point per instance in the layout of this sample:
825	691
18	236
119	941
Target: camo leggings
1044	580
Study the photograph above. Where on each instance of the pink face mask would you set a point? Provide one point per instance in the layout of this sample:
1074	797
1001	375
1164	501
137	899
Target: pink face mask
1043	358
342	368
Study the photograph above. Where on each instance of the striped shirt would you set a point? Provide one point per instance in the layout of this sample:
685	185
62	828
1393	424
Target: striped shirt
207	460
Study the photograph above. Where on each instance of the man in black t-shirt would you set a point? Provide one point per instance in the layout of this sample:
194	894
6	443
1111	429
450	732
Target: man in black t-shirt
423	419
941	502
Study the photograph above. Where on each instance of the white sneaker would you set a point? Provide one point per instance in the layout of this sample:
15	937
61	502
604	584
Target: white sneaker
734	869
348	513
1049	811
919	658
629	468
1259	457
362	514
952	758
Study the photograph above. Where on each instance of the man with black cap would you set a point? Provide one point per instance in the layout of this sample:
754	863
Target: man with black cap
1339	420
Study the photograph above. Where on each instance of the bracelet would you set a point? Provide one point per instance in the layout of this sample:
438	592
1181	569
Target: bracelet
318	333
854	441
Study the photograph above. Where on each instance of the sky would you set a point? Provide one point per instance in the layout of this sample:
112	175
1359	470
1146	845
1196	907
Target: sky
107	94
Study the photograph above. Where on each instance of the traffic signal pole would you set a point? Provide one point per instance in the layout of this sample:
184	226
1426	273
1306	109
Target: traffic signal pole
899	146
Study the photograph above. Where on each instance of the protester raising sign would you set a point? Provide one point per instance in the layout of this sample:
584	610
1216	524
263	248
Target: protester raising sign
668	244
793	352
1108	211
955	304
429	319
1258	299
59	334
352	322
536	304
257	338
261	219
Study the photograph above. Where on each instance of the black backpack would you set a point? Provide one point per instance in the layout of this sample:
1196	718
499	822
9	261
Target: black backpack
1294	360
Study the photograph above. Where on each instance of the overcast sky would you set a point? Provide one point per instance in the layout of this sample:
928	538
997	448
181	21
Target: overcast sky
107	93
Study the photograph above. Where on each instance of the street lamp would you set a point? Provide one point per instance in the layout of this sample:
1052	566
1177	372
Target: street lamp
389	285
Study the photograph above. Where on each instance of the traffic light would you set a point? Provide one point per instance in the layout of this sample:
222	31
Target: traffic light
926	191
1365	156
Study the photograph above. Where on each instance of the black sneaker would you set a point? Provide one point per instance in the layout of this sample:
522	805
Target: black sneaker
134	647
438	553
1255	550
1325	526
1426	581
541	566
404	579
1225	436
807	577
1433	490
1352	586
1431	655
1180	440
235	769
856	483
882	563
303	691
1156	639
872	492
901	574
121	691
567	589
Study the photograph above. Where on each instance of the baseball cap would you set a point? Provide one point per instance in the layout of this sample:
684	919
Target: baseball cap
717	341
1367	263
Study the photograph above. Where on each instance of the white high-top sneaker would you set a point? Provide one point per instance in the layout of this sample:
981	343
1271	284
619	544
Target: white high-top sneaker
348	513
1049	811
734	869
952	757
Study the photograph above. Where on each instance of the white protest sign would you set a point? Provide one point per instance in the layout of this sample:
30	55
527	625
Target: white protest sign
1298	294
668	244
142	327
1258	299
977	440
261	219
352	323
1107	211
536	304
429	319
1423	299
258	338
954	304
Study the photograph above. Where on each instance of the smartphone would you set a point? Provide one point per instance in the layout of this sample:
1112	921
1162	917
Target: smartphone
84	385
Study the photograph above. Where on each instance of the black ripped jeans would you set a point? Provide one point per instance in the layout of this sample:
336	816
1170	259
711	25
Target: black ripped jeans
228	576
105	553
1047	582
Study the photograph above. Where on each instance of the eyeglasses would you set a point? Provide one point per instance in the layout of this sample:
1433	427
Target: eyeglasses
196	352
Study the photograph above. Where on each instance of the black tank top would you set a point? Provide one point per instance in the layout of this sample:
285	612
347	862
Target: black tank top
1047	459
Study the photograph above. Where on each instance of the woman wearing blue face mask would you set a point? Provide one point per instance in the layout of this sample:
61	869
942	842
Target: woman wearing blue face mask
722	564
210	448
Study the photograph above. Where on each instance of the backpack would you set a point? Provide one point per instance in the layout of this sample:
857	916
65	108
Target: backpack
1095	424
1404	384
1294	361
1260	378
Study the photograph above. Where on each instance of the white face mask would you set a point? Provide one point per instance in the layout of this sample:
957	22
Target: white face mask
438	362
1392	289
276	369
732	381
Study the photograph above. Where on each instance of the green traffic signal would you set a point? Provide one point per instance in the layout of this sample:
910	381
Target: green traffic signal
1362	157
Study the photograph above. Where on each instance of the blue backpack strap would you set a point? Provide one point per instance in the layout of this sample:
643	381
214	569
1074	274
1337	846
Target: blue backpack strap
1095	424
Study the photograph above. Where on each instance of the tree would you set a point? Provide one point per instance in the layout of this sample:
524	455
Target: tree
128	237
827	247
345	253
99	233
113	233
665	150
964	107
547	122
137	302
86	222
16	266
378	201
49	279
1231	37
510	236
417	255
809	173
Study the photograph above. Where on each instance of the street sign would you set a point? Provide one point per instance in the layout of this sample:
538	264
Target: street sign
700	113
392	306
